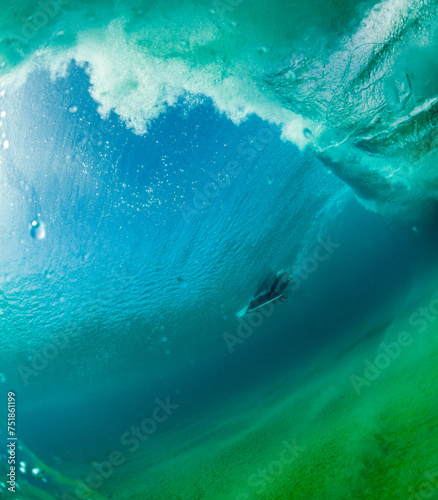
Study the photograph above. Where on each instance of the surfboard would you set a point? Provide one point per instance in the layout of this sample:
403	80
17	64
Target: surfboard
245	311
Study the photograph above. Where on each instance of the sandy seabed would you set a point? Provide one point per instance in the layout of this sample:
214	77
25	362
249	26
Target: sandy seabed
324	438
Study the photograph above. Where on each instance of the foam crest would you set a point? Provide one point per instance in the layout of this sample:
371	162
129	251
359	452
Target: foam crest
350	73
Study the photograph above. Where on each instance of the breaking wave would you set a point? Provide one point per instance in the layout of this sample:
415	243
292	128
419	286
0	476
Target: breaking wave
355	80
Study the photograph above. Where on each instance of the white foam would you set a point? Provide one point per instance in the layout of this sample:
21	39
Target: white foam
245	60
139	83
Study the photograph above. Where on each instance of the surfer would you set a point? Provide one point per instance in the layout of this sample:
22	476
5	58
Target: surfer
273	293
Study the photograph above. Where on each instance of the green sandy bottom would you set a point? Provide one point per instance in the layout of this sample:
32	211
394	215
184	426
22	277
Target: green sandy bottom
380	444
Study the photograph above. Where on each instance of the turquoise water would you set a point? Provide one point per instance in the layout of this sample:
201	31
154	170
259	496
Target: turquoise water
159	165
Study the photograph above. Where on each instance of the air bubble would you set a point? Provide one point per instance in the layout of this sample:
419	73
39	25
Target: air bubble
73	109
38	230
307	133
37	472
5	144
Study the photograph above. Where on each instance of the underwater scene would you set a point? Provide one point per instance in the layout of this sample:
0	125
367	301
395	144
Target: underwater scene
218	250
